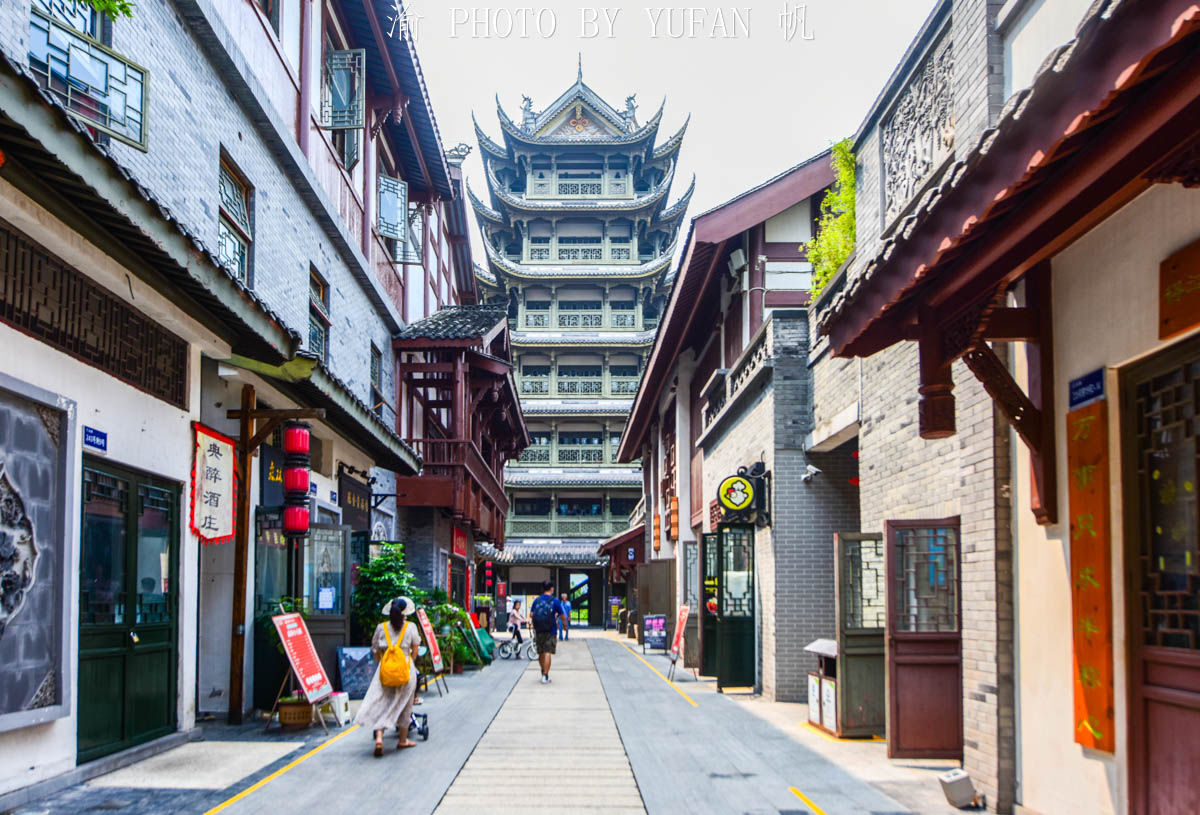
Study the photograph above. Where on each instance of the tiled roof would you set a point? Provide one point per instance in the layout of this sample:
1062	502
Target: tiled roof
651	267
564	477
963	175
645	200
544	551
455	323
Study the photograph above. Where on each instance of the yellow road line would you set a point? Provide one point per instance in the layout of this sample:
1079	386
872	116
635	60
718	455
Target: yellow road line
816	810
280	772
830	737
616	639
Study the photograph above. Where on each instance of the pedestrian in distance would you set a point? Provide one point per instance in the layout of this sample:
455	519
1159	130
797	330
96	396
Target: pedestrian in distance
389	699
516	621
564	619
544	613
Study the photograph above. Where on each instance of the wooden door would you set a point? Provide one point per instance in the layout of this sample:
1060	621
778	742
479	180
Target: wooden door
1160	413
127	609
707	612
324	579
736	664
924	646
861	606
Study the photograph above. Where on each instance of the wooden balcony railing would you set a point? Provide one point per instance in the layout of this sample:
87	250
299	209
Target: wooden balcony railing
455	476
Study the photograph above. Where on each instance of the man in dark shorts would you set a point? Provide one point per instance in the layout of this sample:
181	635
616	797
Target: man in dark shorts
544	614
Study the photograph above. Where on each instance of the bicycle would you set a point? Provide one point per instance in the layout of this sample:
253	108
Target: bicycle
511	649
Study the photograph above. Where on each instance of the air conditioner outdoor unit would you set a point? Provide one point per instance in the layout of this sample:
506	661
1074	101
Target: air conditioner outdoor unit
737	261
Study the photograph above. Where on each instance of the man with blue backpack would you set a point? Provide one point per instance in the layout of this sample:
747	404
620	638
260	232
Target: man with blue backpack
544	614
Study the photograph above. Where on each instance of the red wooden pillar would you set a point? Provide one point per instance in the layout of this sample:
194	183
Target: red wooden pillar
756	292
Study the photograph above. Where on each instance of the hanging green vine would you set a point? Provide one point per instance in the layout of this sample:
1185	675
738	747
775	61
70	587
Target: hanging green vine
112	8
834	241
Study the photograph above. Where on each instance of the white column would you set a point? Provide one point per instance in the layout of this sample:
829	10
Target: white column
684	369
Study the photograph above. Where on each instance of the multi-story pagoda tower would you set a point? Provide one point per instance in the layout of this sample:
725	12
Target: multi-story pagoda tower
578	237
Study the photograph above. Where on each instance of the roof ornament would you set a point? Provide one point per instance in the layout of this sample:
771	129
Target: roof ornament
527	116
457	154
630	114
579	76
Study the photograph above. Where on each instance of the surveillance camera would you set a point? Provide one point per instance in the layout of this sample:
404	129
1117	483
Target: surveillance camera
810	471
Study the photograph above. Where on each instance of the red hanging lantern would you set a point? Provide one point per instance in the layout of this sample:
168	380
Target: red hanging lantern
296	438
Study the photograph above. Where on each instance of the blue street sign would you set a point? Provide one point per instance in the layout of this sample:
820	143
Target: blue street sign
94	439
1087	388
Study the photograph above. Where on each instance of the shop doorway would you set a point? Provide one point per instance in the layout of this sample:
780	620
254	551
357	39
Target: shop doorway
736	664
1160	402
128	606
580	586
458	581
708	609
924	640
323	581
860	601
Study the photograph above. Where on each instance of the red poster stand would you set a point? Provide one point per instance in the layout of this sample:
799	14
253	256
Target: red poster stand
677	645
305	664
435	653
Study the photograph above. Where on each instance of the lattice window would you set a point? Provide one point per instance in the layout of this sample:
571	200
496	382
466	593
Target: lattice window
580	320
318	316
619	254
589	189
863	591
537	320
581	386
624	386
568	188
393	206
45	299
624	320
535	386
926	578
575	455
1167	412
618	187
535	455
591	254
539	254
74	13
568	254
377	399
737	590
233	224
343	90
92	82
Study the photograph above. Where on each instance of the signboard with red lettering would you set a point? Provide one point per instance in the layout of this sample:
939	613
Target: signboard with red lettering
435	653
459	542
680	622
302	656
1091	563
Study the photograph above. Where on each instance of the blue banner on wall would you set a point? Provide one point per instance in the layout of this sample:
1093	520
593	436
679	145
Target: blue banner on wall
1087	388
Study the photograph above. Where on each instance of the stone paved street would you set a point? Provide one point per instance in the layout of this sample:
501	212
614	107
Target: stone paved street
608	734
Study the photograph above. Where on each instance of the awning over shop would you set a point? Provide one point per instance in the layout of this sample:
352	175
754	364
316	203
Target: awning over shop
543	552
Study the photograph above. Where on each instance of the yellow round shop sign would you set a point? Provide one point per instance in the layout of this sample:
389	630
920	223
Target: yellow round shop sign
736	493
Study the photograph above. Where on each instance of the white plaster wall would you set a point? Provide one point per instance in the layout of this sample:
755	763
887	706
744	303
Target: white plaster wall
144	433
1032	33
1105	315
793	224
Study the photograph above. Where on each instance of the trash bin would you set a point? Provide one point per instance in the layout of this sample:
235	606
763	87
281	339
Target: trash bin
822	686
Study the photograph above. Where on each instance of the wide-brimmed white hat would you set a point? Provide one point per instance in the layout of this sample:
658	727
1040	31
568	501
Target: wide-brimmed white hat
408	607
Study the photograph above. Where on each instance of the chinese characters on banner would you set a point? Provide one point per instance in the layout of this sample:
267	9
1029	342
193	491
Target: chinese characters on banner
680	624
302	656
213	486
458	542
435	653
1091	585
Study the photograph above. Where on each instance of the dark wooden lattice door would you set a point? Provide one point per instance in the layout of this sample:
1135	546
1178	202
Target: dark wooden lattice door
1161	401
924	646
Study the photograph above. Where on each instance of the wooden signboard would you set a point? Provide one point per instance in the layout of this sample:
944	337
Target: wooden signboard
1091	565
302	656
1179	292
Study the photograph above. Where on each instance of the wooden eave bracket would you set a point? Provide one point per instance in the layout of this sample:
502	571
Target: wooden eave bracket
966	335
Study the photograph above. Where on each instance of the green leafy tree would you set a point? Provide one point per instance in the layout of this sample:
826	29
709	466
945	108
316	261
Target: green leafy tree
113	8
835	238
383	578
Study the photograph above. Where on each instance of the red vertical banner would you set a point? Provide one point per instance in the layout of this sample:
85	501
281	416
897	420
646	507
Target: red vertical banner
435	653
1091	575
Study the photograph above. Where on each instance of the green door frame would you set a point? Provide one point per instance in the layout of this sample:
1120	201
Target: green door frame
709	588
736	663
128	645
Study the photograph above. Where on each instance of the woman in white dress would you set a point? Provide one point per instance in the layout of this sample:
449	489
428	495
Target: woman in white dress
385	707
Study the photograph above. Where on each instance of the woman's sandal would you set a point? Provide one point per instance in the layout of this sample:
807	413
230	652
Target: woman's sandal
378	749
404	745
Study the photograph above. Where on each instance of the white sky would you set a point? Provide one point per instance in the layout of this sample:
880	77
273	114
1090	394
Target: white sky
759	103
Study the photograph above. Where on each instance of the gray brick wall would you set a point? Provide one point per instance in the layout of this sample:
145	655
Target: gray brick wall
794	555
193	116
